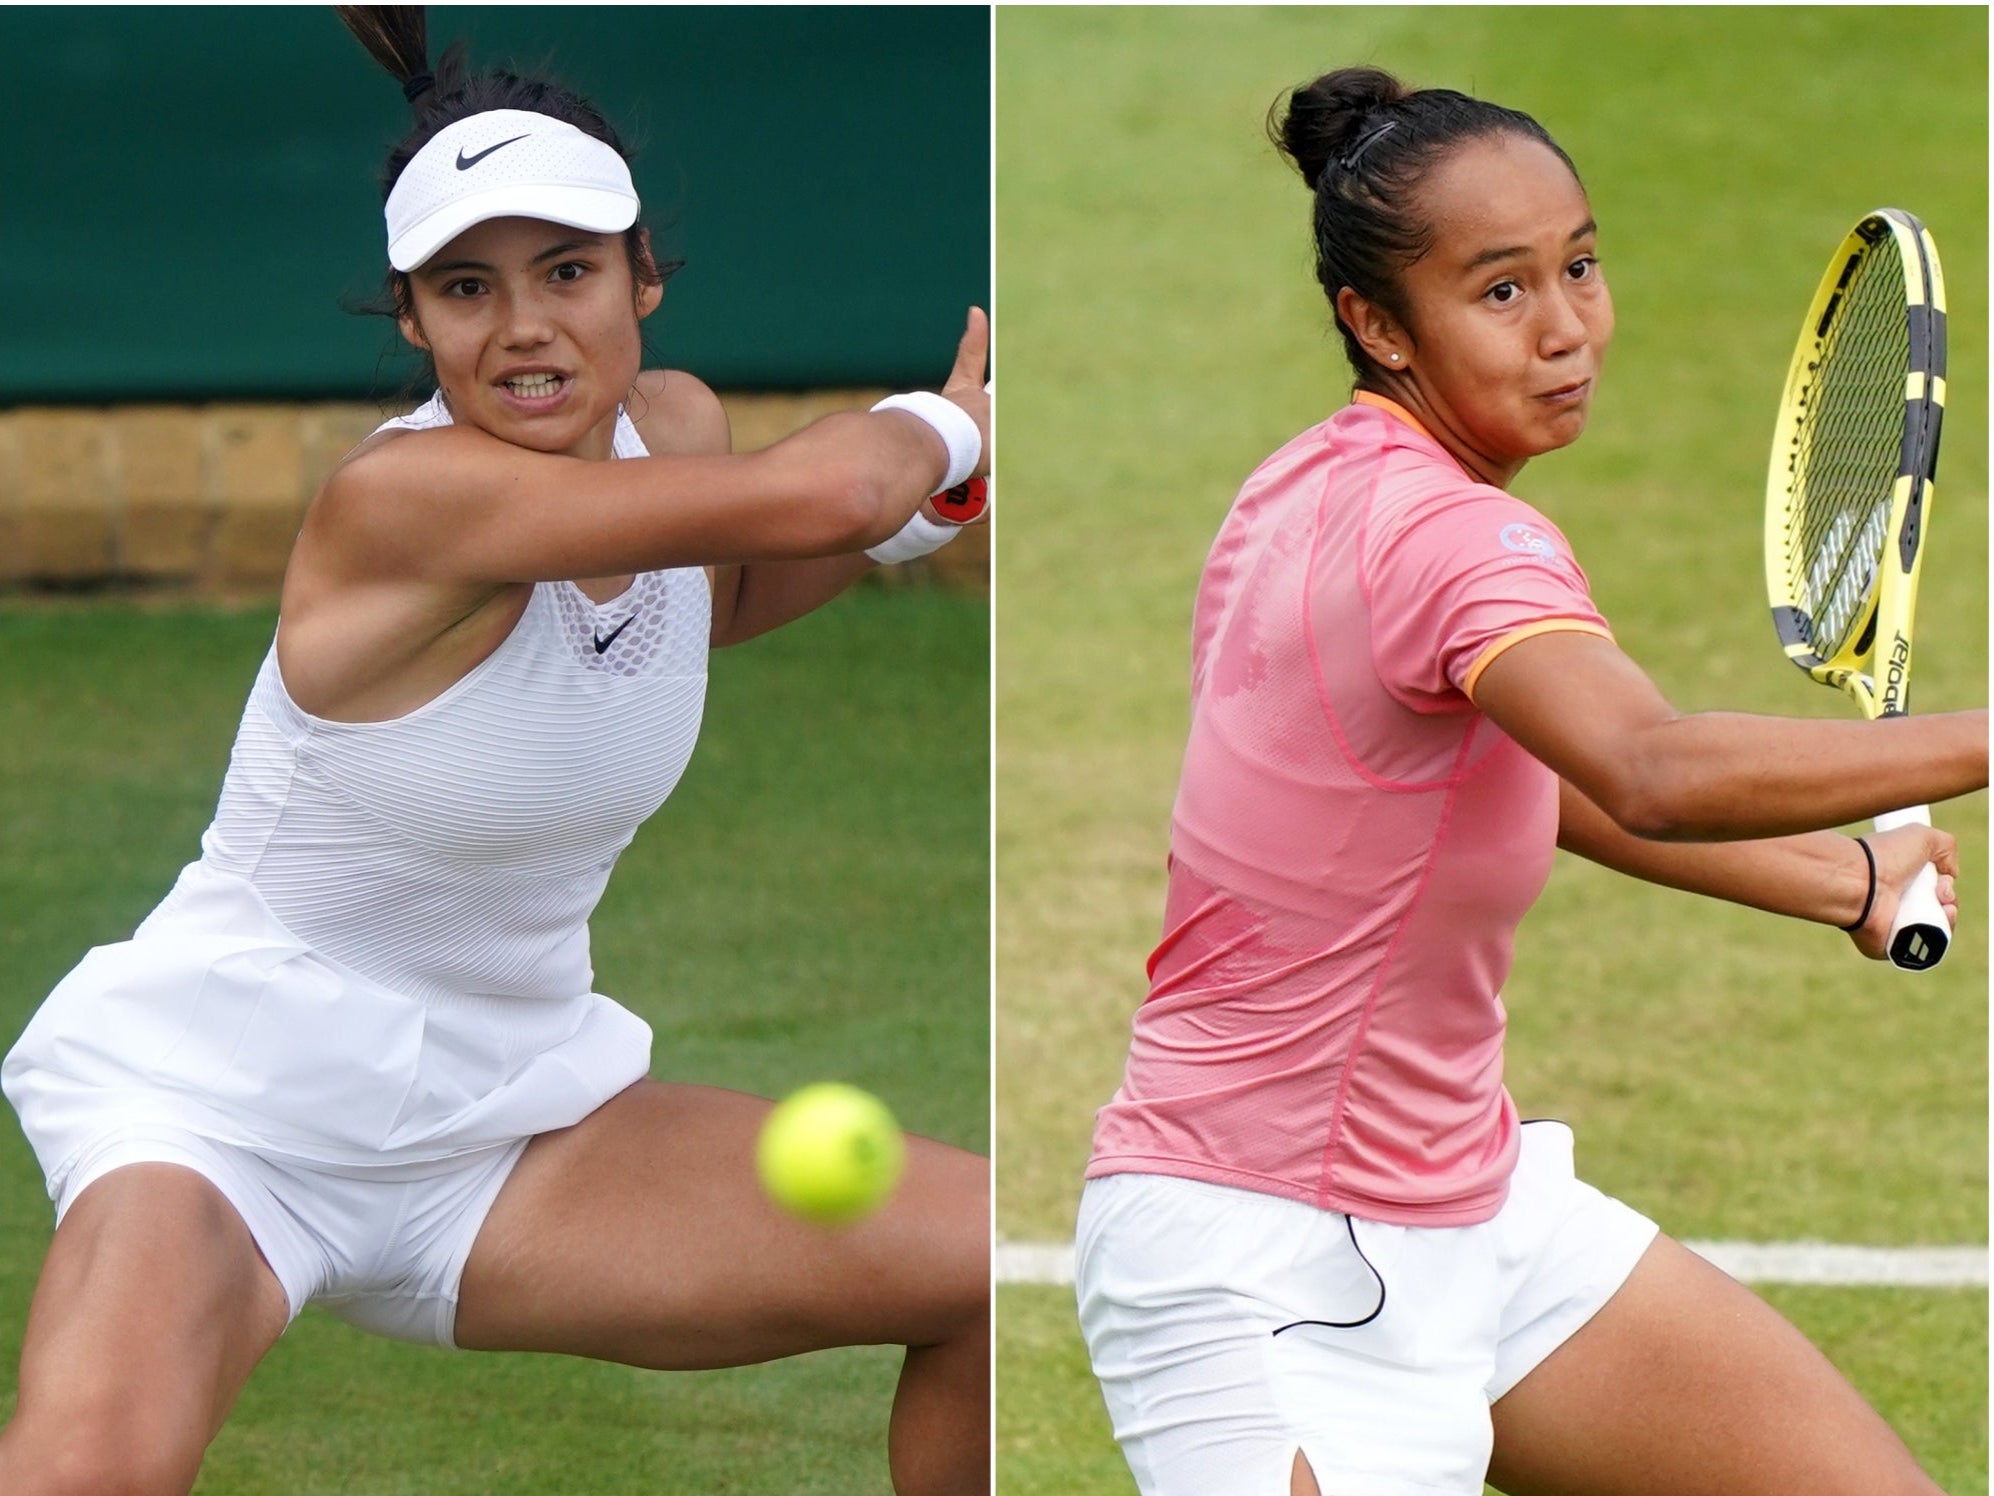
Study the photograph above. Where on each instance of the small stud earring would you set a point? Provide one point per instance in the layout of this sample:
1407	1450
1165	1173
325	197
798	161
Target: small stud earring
1395	358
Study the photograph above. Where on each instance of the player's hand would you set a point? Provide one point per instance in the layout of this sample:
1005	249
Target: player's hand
1899	853
966	380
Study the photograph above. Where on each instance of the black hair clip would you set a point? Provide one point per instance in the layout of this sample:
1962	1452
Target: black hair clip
420	83
1365	143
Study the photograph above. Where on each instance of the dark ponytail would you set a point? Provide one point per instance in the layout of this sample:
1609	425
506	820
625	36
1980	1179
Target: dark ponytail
1364	142
397	37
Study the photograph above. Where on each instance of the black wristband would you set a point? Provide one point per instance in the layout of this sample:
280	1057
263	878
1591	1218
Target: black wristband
1869	898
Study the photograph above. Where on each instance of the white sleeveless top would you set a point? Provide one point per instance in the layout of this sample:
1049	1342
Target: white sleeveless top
382	955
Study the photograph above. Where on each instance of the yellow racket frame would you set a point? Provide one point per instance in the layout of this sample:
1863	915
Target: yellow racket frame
1874	664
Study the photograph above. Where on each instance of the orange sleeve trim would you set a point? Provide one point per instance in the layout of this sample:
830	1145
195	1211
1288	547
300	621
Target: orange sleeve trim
1517	636
1392	408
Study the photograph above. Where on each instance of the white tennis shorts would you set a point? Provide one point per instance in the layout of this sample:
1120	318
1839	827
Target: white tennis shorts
383	1248
1231	1330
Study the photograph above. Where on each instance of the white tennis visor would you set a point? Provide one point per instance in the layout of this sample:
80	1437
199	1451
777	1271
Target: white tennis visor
505	163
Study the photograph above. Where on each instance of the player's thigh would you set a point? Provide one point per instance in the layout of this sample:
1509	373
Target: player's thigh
642	1235
152	1308
1688	1384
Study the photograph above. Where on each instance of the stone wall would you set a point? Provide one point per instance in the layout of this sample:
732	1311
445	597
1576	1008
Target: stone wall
206	499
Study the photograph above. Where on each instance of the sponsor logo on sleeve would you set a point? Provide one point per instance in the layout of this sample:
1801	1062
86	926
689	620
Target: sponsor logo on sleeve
1527	540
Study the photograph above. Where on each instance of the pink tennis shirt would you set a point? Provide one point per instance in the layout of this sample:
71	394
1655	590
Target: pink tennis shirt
1353	843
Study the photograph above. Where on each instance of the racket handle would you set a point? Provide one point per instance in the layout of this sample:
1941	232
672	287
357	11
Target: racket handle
1919	934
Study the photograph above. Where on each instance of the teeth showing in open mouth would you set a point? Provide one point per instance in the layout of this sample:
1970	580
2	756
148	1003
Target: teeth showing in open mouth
531	385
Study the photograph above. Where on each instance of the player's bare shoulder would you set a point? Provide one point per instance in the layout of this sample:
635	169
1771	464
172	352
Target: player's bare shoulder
399	489
399	459
676	413
354	501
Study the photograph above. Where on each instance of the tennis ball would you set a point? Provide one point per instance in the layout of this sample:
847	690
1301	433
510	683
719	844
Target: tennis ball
830	1153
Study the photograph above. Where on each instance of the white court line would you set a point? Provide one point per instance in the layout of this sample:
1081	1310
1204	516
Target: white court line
1747	1261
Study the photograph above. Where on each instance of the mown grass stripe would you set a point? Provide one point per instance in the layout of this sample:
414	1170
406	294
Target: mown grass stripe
1051	1263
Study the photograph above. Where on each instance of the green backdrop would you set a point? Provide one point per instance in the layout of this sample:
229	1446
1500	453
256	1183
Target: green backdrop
189	194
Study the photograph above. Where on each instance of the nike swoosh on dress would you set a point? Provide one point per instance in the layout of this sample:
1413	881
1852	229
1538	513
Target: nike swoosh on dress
602	644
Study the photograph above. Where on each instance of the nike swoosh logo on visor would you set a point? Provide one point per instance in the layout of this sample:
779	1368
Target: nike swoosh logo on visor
465	163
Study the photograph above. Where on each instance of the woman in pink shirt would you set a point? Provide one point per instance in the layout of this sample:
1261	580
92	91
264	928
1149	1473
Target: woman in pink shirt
1317	1249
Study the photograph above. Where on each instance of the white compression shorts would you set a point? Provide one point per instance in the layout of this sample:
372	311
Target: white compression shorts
381	1248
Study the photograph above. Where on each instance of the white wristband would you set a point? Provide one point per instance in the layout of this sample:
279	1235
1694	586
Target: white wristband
954	425
917	537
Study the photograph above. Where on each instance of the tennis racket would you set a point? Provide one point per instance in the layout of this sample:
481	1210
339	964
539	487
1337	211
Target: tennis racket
1849	493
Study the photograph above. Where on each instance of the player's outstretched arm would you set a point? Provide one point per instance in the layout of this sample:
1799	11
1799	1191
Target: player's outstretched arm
459	506
1582	707
1821	876
749	601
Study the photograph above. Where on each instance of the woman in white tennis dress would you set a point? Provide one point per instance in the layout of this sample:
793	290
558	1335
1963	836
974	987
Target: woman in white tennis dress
354	1057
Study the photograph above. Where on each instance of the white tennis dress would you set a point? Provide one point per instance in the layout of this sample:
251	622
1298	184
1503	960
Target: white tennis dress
382	955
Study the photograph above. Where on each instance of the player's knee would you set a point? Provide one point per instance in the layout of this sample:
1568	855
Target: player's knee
98	1455
954	1304
94	1470
967	1286
954	1273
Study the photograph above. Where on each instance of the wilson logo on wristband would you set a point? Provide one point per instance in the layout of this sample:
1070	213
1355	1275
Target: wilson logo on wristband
961	504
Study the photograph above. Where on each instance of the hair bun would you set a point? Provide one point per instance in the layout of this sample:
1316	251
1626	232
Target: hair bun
1323	117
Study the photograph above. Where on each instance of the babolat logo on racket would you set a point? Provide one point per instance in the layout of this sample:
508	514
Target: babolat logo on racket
1893	676
1913	950
961	504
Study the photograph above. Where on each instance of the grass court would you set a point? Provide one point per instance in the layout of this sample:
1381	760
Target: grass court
810	904
1733	1075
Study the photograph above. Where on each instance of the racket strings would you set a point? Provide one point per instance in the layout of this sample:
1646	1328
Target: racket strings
1850	444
